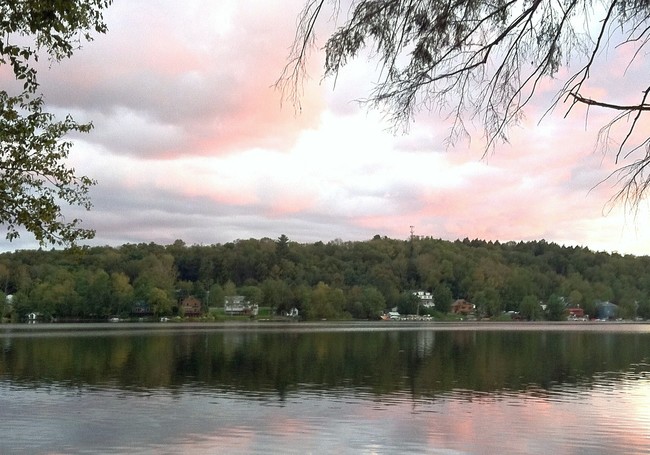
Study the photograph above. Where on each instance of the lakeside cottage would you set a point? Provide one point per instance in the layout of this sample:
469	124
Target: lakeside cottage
606	311
576	314
426	299
141	309
238	305
191	307
462	306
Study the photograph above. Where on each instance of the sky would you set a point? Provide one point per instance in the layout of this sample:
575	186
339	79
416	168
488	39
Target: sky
191	141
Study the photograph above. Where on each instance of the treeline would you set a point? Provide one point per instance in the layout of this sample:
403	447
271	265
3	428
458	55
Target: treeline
324	280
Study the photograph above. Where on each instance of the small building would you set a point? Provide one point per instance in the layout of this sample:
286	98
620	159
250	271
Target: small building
575	313
191	307
394	316
426	299
462	306
606	310
238	305
141	309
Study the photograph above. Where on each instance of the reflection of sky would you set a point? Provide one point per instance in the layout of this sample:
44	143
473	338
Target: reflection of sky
608	417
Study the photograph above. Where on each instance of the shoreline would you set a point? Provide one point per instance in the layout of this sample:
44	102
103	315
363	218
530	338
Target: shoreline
80	328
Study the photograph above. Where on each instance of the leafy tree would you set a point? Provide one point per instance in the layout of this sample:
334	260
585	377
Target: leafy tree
276	294
643	310
184	288
443	298
157	270
365	302
122	292
326	302
476	59
160	301
22	305
229	288
252	293
408	303
383	278
216	296
575	298
3	306
487	302
156	276
530	308
518	285
34	177
94	290
555	309
56	297
301	298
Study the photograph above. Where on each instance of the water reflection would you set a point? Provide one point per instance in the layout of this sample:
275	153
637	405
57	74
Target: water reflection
347	391
422	362
470	365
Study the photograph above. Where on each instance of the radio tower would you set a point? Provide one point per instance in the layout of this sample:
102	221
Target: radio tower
412	232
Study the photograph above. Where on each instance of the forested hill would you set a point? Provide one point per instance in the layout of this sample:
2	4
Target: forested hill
323	280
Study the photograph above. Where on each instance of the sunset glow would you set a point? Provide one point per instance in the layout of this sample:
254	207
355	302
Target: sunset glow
192	142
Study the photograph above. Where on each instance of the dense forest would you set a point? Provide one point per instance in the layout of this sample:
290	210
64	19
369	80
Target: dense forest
334	280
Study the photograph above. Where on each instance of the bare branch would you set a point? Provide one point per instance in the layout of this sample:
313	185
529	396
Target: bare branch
618	107
290	81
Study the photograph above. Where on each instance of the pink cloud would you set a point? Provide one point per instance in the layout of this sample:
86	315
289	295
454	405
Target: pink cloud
211	82
188	127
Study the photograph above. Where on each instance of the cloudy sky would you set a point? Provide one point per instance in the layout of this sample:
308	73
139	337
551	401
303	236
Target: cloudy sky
192	142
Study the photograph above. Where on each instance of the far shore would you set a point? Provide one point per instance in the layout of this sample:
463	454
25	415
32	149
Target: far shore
116	328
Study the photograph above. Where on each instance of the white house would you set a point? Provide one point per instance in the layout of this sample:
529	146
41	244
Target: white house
237	304
426	299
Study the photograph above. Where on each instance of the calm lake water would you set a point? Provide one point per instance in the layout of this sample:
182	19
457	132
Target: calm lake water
483	388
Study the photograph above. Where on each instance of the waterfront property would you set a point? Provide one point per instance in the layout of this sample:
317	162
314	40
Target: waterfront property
576	313
426	299
141	309
240	306
462	306
606	311
191	307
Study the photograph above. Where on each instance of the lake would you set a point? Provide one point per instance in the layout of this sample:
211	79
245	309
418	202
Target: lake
362	388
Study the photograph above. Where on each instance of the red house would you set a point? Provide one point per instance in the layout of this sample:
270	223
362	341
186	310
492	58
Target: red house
191	307
462	306
576	313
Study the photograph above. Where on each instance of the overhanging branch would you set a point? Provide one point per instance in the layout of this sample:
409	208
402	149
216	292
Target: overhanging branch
618	107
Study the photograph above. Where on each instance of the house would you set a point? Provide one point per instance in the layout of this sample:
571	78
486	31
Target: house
191	307
238	305
141	308
426	299
575	313
606	310
462	306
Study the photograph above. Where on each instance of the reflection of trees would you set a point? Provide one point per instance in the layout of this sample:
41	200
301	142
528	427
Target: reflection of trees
423	363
